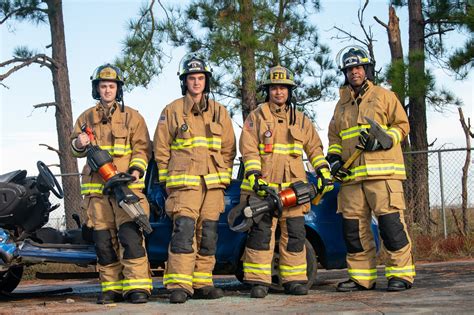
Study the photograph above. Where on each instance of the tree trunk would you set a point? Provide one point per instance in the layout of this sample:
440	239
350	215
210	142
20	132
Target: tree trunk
419	200
62	95
247	57
396	52
465	171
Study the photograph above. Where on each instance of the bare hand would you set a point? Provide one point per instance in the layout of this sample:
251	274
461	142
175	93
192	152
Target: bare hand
82	140
136	175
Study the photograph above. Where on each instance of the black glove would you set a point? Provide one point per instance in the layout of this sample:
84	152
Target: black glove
368	142
337	170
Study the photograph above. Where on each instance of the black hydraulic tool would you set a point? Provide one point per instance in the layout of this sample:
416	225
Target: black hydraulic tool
252	212
116	182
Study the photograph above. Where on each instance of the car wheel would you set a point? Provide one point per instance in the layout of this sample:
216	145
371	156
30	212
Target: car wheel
311	267
10	279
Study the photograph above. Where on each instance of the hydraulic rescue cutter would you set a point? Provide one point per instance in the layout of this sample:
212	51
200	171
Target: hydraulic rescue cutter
116	183
251	212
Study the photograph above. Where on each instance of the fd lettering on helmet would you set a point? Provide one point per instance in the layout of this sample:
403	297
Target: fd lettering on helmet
107	73
278	76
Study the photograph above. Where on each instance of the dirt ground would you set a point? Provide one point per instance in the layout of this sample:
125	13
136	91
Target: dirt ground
446	287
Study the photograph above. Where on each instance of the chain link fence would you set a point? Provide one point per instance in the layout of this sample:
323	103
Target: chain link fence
442	191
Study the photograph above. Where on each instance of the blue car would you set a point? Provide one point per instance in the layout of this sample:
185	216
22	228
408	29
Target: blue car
37	244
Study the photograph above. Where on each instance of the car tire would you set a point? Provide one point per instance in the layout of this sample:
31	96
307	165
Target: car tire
10	279
311	268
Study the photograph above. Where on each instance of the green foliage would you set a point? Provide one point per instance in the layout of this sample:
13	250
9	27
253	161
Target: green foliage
31	10
23	52
281	34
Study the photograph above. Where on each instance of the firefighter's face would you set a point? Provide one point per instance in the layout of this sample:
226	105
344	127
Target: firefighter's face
356	75
278	94
195	83
107	90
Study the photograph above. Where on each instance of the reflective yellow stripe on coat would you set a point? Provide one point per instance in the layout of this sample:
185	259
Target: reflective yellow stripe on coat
94	188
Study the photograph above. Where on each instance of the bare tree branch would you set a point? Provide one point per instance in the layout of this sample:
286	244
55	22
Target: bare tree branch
45	105
41	59
50	148
440	32
380	22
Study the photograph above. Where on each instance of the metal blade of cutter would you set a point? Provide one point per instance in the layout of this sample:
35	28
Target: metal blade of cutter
380	134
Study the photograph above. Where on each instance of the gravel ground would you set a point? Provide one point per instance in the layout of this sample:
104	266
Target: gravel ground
446	287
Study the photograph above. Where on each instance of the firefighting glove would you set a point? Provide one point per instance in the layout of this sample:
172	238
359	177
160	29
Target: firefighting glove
256	183
324	183
337	170
368	142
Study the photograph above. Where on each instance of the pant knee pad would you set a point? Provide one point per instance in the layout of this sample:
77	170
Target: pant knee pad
209	238
351	235
104	248
183	235
261	234
392	231
296	234
131	239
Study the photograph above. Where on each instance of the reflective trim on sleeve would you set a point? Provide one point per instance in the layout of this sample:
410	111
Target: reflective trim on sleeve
252	165
140	163
184	179
395	134
335	148
163	175
319	161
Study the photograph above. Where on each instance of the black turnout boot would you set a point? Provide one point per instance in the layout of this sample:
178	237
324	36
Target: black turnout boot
397	284
109	297
208	293
258	291
295	288
350	285
178	296
137	297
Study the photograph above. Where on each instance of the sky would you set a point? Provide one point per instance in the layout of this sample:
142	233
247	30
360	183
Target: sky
94	34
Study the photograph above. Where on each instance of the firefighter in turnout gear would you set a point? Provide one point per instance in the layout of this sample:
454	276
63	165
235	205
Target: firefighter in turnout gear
272	143
194	147
373	183
122	261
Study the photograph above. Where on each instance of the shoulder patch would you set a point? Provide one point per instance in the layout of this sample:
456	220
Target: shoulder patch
248	124
162	119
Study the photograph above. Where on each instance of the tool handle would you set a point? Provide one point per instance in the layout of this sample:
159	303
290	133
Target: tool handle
317	199
88	131
352	158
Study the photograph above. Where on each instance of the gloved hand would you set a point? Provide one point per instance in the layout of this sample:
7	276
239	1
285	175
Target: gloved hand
324	183
256	183
337	170
368	142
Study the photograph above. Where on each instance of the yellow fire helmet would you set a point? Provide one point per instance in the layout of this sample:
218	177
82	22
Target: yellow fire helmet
278	75
107	72
352	56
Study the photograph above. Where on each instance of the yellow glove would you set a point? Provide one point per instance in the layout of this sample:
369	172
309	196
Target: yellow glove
256	183
325	183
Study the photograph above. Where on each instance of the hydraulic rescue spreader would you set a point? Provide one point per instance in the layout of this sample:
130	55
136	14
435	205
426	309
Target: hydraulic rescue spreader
297	194
116	182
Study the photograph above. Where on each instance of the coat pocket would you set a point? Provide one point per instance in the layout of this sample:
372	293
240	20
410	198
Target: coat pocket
298	138
121	146
215	131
